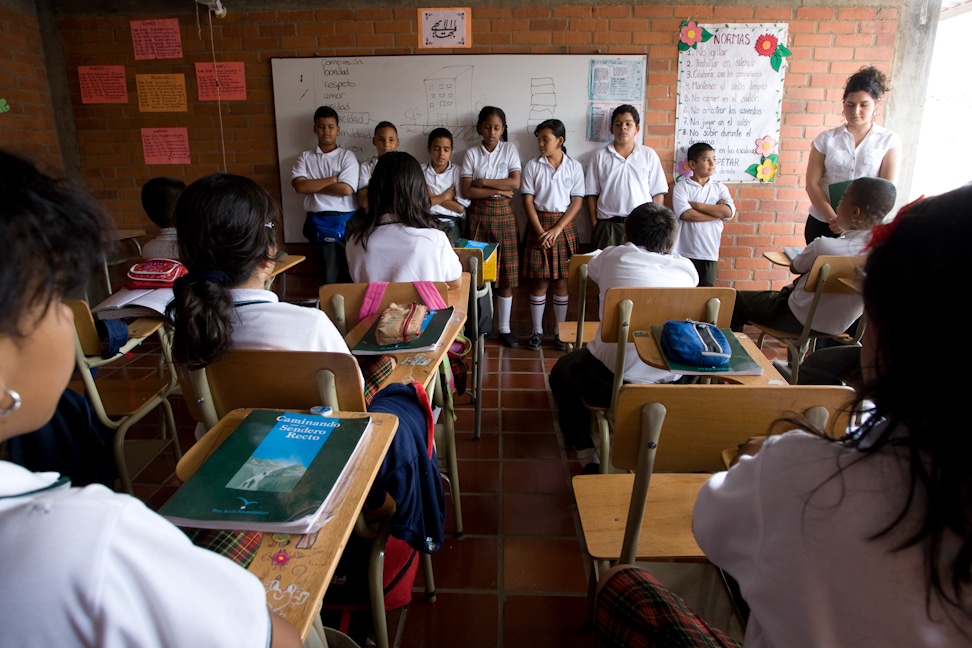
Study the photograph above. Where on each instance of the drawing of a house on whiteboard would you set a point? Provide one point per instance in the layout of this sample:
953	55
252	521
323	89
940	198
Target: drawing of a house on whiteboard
448	92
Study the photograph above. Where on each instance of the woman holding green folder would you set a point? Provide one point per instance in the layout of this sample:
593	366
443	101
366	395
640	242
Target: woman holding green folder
860	148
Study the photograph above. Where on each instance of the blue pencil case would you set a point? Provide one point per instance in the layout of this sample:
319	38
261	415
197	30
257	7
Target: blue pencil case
695	343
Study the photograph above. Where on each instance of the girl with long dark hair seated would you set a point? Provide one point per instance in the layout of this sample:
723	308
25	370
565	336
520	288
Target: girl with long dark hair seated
866	540
400	239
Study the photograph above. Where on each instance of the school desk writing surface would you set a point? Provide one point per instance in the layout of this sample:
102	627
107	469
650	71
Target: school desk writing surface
419	93
296	570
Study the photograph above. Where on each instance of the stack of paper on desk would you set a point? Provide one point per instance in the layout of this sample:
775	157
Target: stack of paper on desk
141	302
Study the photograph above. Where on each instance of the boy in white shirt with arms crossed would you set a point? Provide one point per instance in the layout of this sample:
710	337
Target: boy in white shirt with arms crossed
327	177
442	176
702	205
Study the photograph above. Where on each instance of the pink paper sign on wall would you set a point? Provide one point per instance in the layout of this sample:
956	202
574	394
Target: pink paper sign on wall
156	39
166	145
103	84
228	78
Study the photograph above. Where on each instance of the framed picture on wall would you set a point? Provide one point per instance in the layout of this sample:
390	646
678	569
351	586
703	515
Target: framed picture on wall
445	27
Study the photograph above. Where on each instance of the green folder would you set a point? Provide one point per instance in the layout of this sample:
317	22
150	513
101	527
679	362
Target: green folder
837	192
740	364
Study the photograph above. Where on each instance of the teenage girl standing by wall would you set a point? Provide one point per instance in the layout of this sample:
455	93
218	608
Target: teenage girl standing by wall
553	192
490	174
857	149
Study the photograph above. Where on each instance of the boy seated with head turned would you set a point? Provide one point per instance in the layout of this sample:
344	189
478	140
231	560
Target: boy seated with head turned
587	375
865	203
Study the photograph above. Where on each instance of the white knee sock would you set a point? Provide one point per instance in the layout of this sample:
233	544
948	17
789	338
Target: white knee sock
503	307
560	307
537	305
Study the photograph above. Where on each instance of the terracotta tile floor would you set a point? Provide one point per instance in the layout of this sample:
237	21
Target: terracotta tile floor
518	576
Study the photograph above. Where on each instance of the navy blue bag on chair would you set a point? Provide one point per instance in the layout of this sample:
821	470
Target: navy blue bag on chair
695	343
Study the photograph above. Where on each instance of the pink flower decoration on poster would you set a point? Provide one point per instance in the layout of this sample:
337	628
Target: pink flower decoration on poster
684	170
690	34
766	146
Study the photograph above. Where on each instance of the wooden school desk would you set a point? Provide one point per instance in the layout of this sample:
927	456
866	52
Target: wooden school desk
777	257
296	569
280	267
650	354
458	298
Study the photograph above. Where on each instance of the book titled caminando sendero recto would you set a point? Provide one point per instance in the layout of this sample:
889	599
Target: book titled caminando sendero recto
276	472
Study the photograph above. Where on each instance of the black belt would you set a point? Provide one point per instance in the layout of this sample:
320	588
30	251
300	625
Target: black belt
616	219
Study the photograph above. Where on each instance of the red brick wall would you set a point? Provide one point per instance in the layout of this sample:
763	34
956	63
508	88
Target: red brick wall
26	116
828	44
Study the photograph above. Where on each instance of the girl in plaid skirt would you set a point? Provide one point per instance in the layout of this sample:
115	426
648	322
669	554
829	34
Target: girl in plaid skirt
553	191
490	174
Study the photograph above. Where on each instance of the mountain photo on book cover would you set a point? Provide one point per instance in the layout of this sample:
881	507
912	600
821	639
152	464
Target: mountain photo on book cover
284	455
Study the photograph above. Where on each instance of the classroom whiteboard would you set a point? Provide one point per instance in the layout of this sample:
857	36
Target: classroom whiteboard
419	93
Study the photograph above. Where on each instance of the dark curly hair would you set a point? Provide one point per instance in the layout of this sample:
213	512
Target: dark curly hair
870	80
53	234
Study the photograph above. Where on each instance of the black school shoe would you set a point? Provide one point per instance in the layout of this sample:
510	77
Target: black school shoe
508	340
536	339
557	344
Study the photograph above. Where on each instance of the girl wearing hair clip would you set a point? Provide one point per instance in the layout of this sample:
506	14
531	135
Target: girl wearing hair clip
227	240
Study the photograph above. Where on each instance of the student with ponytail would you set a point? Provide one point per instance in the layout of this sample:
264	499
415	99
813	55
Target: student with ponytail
227	227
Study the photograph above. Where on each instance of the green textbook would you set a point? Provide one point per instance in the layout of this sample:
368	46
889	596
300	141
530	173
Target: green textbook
740	364
432	327
274	473
487	248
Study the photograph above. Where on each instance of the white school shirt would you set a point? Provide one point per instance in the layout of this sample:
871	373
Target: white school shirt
264	322
495	165
620	183
367	169
795	531
843	161
835	312
439	182
699	240
317	164
631	266
552	188
397	252
89	567
163	246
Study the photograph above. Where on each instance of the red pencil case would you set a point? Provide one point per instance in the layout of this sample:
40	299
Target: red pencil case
155	273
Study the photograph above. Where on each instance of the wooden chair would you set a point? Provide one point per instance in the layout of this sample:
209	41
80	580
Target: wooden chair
824	278
286	380
119	403
342	303
622	519
579	333
299	380
472	262
627	310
